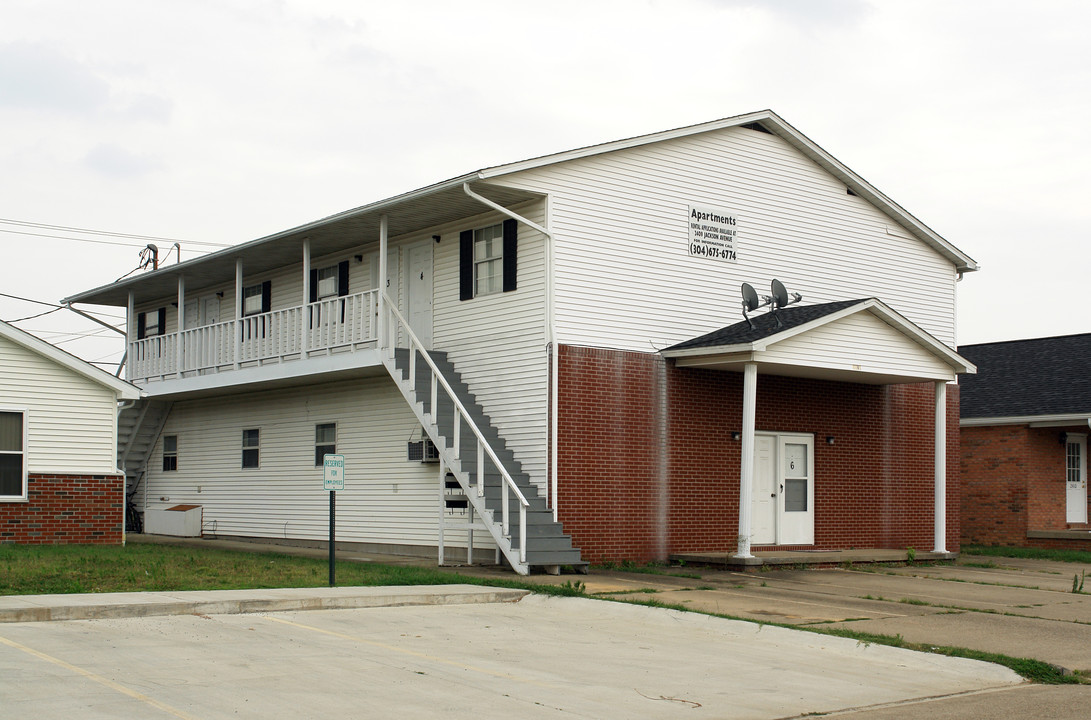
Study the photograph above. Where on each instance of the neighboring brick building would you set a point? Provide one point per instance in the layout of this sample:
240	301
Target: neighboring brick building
1024	420
59	481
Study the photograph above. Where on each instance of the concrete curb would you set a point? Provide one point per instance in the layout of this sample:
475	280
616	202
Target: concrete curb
97	606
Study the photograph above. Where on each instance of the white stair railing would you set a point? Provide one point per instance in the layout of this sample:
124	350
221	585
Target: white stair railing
396	326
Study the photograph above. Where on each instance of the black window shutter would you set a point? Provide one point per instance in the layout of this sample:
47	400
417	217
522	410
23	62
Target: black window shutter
466	265
511	233
343	278
141	325
163	321
267	296
314	285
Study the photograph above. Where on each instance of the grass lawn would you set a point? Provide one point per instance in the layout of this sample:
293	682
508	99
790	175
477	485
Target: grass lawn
52	569
1071	556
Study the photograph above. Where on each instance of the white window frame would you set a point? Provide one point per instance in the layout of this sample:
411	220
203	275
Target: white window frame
24	453
256	448
173	454
317	444
149	329
246	312
496	237
330	273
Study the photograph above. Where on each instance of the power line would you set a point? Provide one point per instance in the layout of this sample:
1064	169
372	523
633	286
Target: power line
66	228
55	305
89	240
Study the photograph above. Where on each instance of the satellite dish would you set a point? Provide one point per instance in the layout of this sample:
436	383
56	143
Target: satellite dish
781	297
751	302
749	298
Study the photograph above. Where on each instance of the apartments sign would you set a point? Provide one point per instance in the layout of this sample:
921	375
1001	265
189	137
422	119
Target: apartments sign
713	234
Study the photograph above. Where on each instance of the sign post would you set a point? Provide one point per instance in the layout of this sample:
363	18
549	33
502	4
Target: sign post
333	479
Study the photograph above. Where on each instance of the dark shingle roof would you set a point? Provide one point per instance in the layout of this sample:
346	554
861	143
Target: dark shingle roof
765	325
1043	376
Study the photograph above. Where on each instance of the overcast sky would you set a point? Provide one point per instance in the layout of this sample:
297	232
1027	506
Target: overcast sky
220	121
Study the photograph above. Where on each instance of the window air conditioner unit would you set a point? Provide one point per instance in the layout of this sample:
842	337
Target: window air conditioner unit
424	451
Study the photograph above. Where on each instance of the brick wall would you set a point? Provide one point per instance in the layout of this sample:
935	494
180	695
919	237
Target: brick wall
1013	480
66	509
647	464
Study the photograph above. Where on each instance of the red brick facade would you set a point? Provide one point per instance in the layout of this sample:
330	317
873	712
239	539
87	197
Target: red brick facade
63	509
648	466
1013	481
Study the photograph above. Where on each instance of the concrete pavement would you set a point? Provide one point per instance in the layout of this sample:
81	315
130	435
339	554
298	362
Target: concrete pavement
1016	607
540	657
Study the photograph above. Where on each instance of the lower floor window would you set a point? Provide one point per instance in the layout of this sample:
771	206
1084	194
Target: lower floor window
251	448
13	459
325	441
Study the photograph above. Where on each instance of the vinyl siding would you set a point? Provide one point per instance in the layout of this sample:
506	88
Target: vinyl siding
72	420
858	342
387	499
498	342
624	278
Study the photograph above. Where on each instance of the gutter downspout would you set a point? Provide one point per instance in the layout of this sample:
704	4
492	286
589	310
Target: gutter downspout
551	333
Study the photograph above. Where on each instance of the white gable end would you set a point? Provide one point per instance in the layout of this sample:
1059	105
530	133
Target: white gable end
625	277
859	344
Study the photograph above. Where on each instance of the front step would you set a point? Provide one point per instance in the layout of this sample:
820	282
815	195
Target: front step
548	546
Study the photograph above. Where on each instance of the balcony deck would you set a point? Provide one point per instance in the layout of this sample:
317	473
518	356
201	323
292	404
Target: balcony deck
336	336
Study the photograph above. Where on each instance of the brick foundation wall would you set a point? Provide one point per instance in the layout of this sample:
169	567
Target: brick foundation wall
647	465
85	509
1013	480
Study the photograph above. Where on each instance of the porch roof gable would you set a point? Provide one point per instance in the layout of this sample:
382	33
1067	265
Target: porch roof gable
861	340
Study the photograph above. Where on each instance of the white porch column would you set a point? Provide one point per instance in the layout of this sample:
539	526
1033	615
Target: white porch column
305	319
940	519
130	336
381	329
181	323
746	465
238	312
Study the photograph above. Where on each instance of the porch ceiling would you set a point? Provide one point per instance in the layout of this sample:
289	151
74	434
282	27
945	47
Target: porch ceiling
860	341
413	212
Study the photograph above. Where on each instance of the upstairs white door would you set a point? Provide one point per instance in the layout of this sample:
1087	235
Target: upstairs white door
1076	479
418	268
210	310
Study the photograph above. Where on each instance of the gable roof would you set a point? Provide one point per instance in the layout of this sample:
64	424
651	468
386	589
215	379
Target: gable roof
123	389
1041	379
816	341
765	326
446	202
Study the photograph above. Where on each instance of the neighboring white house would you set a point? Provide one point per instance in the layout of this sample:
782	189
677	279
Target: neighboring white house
59	480
531	302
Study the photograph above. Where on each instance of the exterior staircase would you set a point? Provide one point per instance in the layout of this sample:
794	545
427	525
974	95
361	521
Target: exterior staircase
481	479
138	429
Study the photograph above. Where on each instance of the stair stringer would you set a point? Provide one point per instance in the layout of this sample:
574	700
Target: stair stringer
454	466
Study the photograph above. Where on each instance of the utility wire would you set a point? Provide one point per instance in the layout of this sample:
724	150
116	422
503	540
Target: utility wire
26	223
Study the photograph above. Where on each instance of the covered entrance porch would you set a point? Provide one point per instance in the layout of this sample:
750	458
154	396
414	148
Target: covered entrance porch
859	342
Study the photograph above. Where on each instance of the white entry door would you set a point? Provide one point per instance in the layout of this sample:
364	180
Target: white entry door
763	520
210	310
1076	479
418	267
796	490
782	510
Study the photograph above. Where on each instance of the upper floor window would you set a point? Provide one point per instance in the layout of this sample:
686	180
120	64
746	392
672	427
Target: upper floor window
487	262
170	453
150	324
13	456
331	281
256	299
